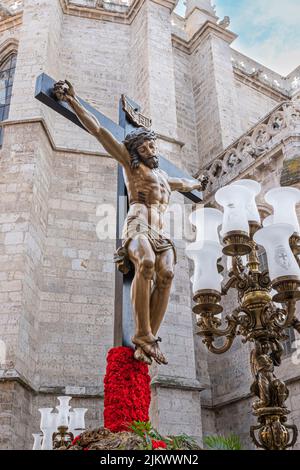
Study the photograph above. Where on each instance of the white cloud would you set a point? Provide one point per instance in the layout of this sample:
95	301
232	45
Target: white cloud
268	31
278	54
285	12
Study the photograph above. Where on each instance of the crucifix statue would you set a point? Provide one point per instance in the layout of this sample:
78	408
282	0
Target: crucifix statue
145	247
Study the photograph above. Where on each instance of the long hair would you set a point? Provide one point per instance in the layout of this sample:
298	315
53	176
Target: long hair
135	139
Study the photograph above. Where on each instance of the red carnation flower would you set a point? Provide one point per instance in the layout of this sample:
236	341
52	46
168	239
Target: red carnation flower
75	440
126	390
158	444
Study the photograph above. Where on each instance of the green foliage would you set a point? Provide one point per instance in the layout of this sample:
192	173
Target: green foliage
141	428
144	430
148	433
232	442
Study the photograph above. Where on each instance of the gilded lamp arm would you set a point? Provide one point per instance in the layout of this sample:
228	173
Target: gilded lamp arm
229	330
296	324
291	310
228	285
282	317
238	269
209	330
208	340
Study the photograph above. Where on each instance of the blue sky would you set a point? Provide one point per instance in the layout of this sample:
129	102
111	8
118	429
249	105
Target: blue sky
268	30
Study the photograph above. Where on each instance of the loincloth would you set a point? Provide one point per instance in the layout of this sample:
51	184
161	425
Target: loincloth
134	227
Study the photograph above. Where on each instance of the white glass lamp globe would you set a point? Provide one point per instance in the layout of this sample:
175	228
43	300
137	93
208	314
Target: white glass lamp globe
64	401
284	200
235	228
46	427
79	421
63	416
207	221
268	221
205	256
251	207
46	418
234	199
282	263
37	444
63	411
72	423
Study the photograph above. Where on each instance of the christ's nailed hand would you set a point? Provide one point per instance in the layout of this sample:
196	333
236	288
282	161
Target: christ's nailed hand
63	91
204	180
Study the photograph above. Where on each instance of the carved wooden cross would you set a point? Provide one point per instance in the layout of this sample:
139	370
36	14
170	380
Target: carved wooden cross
129	114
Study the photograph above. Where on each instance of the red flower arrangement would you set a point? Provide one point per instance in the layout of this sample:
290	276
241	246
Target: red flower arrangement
76	440
158	444
126	390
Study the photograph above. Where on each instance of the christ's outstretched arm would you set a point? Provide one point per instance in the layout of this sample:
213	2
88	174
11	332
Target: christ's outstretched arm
185	185
64	91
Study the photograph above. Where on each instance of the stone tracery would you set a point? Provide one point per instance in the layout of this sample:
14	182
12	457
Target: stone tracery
266	135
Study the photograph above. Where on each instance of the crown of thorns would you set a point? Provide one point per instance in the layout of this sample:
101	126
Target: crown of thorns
137	137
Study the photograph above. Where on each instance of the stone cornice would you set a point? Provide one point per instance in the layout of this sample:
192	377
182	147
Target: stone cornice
12	375
180	383
202	10
256	84
170	4
11	22
50	139
98	14
170	139
125	17
209	28
180	44
39	120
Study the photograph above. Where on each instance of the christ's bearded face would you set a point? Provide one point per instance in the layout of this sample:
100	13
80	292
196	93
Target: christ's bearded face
148	153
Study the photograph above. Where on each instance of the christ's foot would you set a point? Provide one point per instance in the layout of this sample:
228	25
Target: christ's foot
139	355
150	347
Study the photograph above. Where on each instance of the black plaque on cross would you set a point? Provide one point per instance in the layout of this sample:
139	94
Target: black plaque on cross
123	319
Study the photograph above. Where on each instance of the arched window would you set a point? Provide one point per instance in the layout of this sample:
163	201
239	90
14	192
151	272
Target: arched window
7	72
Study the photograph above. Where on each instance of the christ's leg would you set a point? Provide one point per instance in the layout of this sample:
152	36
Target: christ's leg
162	288
143	257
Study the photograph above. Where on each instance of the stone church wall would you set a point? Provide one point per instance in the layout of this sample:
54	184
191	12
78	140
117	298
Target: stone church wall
253	105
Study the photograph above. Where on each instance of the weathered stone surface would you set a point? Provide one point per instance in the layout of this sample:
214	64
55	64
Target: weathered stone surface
290	172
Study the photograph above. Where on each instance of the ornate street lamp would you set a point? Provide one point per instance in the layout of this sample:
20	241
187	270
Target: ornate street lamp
59	428
267	299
